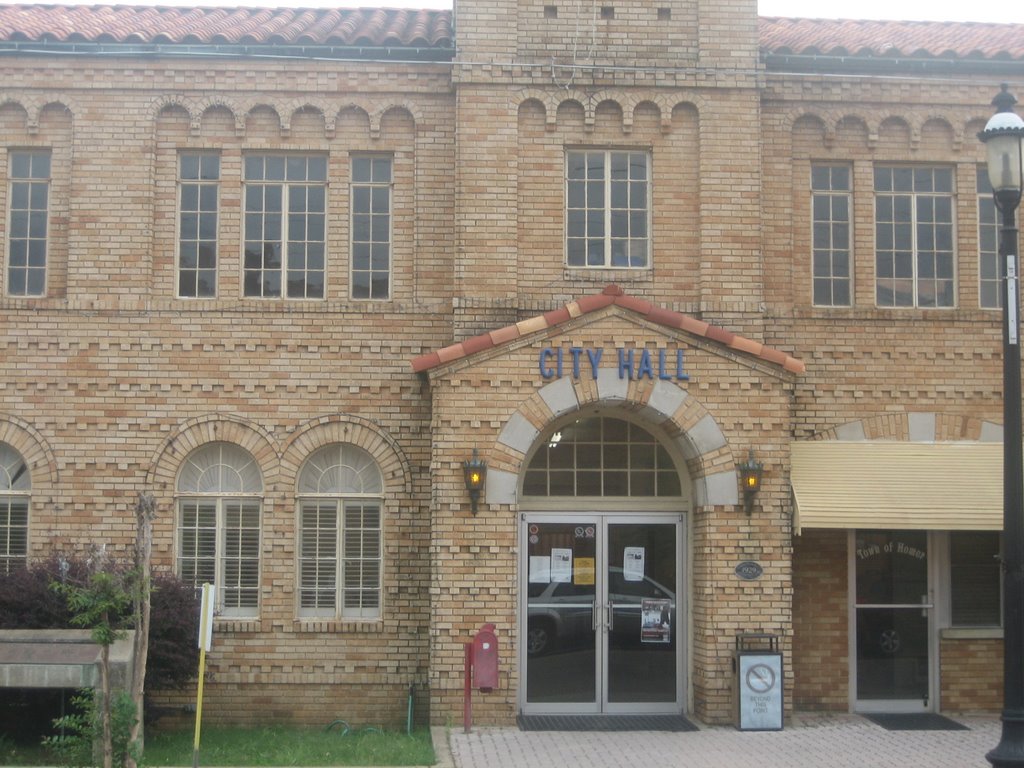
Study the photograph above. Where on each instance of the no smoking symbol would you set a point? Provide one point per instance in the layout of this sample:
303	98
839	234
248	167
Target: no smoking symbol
760	678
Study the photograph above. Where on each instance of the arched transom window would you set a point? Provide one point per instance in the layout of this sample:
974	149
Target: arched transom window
340	492
601	456
219	511
15	490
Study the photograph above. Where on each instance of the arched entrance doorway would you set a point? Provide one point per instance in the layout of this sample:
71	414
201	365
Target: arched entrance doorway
603	608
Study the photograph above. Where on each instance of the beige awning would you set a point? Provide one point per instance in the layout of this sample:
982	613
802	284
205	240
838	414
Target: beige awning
922	486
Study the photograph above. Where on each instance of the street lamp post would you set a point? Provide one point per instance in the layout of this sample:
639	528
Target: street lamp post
1002	138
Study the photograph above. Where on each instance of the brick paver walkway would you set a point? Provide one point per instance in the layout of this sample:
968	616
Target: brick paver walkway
843	741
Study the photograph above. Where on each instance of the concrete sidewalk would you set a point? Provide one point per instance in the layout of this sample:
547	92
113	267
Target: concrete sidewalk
810	741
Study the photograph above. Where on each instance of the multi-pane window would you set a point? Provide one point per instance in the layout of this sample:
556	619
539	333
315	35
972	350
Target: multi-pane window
371	227
29	173
830	204
914	256
975	579
198	177
607	206
219	516
285	205
15	487
990	290
602	456
340	547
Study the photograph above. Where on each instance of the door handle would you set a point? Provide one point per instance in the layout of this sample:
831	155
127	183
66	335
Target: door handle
611	616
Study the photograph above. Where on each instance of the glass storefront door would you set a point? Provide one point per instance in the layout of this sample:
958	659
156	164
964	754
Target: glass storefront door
602	624
892	614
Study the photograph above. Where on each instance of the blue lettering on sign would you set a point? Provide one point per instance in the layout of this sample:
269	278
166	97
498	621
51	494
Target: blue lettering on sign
667	365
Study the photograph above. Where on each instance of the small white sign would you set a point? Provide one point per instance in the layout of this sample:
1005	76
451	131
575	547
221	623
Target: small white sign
561	565
540	569
206	617
633	563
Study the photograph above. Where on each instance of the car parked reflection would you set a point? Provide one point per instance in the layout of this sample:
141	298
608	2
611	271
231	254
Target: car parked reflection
560	615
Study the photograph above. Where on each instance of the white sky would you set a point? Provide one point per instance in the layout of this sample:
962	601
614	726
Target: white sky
1001	11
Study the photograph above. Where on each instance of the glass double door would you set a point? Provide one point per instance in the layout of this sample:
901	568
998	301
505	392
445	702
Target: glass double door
601	620
893	611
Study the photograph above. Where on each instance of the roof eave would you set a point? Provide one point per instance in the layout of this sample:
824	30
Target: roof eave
803	63
397	53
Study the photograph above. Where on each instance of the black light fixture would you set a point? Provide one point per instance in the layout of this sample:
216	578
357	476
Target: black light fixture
750	476
1002	139
475	472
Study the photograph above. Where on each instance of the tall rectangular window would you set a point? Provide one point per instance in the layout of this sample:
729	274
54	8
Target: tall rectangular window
318	558
914	256
830	204
975	574
361	560
198	178
371	227
219	543
13	533
990	290
607	207
285	222
29	194
353	529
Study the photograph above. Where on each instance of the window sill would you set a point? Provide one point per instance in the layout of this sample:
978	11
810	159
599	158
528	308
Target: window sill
972	633
609	274
236	624
339	626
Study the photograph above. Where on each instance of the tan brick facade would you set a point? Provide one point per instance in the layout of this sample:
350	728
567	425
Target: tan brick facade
110	381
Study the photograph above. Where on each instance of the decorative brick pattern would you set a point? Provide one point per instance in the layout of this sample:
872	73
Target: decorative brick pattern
109	381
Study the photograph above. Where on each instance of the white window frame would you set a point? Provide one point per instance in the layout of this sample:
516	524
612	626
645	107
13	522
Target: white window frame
286	236
607	211
988	258
355	485
15	488
832	193
916	196
229	485
200	183
30	237
372	185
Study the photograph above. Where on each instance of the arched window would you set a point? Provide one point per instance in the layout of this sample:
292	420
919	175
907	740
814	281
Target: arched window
340	492
15	489
601	456
219	510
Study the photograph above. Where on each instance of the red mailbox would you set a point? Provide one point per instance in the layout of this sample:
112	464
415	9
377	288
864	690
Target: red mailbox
485	659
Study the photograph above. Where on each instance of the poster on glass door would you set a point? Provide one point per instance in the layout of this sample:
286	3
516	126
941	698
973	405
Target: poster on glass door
655	621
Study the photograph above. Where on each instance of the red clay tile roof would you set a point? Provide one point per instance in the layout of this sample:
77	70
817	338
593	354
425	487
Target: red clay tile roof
373	27
938	39
227	26
609	296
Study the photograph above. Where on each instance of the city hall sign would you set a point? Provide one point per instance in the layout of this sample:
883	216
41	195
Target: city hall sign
577	362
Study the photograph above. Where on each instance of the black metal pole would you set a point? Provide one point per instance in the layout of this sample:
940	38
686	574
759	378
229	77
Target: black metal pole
1010	750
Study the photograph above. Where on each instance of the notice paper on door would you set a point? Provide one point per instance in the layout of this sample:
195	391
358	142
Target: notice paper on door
584	568
540	569
561	565
633	563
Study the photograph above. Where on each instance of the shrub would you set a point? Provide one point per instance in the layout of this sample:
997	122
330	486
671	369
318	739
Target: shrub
27	601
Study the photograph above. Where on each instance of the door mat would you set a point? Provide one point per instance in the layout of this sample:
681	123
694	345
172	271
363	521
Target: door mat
917	721
676	723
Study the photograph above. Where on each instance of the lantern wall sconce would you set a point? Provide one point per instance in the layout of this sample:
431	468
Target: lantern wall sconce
475	472
750	477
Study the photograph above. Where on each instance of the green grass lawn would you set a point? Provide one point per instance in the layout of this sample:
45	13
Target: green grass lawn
269	746
290	746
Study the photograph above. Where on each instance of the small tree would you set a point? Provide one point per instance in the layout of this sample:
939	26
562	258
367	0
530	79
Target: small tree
145	509
99	606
